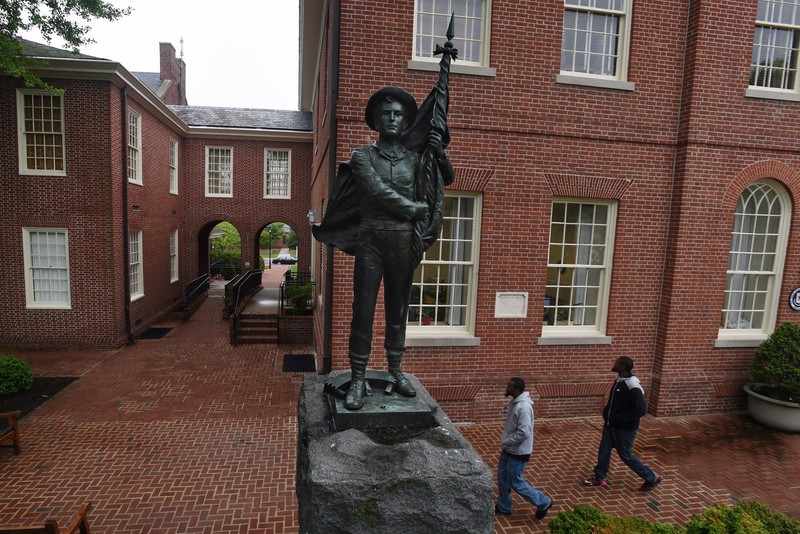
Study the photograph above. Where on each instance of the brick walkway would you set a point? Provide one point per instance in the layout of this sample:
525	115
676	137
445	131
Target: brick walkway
186	434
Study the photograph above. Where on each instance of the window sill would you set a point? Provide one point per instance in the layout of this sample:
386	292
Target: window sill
602	83
772	94
739	341
442	341
455	68
34	172
575	340
40	306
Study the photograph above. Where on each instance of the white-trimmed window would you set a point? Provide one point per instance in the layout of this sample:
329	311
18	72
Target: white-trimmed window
134	147
219	171
46	268
445	282
173	166
136	269
277	173
775	45
579	267
595	39
755	263
40	127
173	256
472	22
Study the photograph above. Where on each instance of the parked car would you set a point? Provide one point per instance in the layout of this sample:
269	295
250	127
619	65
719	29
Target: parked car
285	259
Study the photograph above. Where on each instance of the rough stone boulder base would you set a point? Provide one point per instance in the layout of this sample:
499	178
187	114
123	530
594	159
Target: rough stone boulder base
395	481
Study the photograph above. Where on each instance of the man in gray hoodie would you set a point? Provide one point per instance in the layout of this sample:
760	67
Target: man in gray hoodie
517	443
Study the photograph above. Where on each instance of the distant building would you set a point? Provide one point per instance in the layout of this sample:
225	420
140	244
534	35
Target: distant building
626	181
110	192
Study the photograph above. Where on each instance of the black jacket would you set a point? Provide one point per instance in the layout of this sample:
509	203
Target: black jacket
625	406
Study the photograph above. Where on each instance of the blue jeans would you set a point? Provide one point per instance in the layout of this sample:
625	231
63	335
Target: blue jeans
622	440
509	476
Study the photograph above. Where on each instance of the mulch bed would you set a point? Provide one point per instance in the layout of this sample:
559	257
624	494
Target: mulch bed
42	390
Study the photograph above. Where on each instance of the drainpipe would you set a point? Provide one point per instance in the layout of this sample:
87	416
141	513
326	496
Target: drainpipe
327	342
125	244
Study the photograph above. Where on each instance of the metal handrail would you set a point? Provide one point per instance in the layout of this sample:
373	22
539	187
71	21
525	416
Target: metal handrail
244	285
195	288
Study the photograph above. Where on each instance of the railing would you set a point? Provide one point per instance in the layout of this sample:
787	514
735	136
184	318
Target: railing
239	288
297	293
195	289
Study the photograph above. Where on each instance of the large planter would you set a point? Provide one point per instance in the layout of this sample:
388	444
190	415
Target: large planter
772	413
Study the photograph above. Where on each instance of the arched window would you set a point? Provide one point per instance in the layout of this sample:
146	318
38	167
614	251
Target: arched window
755	264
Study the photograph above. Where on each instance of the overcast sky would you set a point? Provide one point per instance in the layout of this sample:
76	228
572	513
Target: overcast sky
238	53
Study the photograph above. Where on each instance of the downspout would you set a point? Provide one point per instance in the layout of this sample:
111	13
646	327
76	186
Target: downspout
327	341
125	244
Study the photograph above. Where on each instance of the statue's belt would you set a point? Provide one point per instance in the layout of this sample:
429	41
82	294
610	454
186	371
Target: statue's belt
379	224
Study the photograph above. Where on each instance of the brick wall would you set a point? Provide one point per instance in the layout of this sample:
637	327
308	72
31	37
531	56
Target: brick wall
85	202
675	153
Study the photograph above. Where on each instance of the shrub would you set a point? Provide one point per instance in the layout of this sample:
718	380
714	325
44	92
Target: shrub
747	517
15	375
777	363
588	520
300	295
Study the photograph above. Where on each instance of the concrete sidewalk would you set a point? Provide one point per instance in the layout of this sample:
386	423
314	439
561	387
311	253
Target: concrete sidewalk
187	434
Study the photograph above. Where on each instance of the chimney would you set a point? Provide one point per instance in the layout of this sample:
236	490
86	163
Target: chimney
174	70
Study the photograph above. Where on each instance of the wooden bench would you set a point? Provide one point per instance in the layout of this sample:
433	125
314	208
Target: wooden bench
78	523
12	432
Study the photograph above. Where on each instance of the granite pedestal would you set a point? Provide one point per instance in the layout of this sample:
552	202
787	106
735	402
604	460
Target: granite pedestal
387	479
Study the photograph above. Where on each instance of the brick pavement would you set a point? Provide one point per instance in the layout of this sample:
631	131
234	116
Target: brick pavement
186	434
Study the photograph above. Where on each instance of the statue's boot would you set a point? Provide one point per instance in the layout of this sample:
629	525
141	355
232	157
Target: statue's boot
355	395
402	384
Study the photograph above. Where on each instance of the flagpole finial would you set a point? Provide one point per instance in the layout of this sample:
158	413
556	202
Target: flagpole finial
450	33
448	51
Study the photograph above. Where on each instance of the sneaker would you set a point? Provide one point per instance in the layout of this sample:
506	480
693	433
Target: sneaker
647	486
498	511
541	512
594	481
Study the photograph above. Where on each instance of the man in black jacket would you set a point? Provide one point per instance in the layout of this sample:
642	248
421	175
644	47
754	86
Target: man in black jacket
624	409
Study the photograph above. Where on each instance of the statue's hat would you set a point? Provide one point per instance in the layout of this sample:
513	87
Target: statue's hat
400	95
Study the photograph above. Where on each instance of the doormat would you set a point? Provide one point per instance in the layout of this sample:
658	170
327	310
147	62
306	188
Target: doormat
299	363
155	333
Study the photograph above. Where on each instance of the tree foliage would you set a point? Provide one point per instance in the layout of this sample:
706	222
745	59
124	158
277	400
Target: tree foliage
270	234
67	19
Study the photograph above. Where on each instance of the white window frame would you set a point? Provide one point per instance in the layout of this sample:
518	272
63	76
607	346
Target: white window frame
40	277
438	332
591	9
744	258
47	129
276	179
174	273
136	264
423	59
773	23
565	251
173	166
134	147
211	173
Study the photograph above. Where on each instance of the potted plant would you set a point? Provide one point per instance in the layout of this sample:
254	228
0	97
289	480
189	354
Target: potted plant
773	398
427	315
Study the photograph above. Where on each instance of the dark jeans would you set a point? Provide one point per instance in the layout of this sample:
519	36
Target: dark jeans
381	254
622	440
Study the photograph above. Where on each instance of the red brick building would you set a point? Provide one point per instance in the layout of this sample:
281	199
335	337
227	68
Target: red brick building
626	174
110	192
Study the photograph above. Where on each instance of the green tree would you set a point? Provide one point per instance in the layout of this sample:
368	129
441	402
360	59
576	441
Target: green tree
291	240
270	234
229	240
67	19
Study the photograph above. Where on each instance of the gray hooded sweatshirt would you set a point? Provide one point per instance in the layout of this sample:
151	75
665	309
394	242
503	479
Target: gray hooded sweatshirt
518	434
